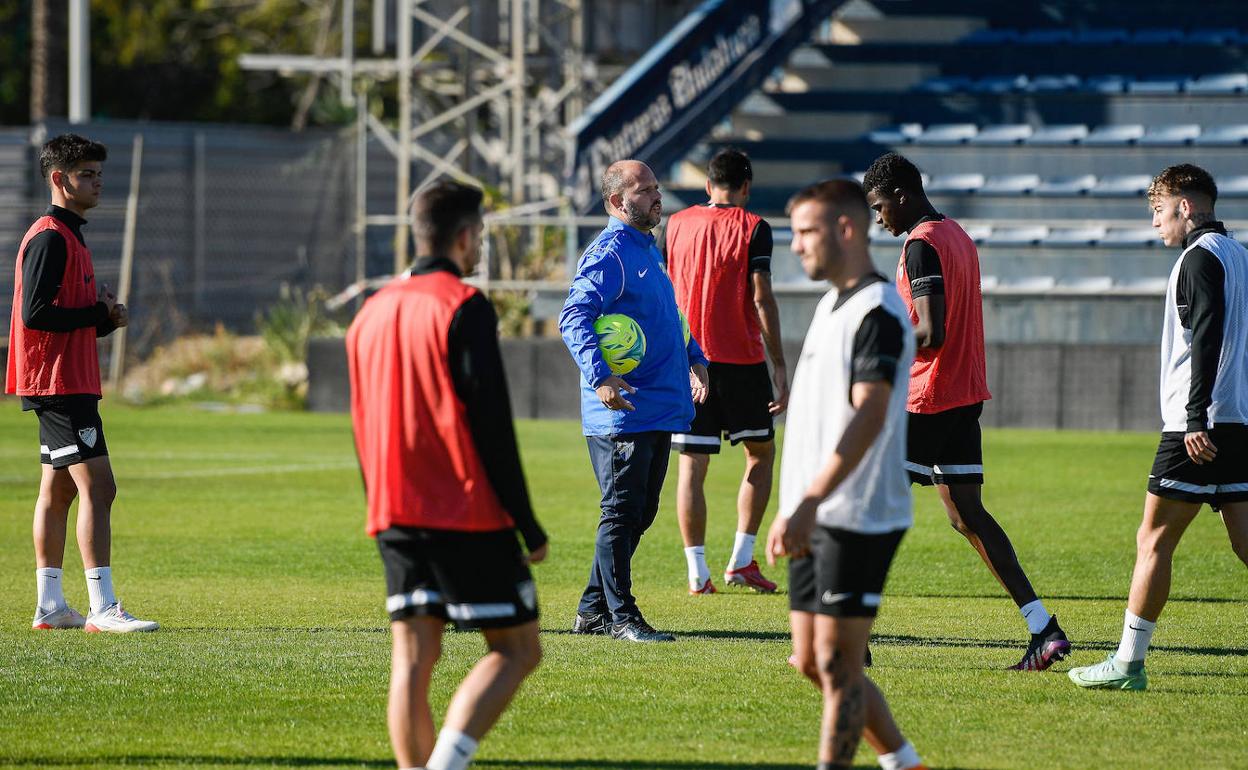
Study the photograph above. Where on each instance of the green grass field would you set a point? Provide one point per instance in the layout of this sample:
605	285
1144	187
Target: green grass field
243	535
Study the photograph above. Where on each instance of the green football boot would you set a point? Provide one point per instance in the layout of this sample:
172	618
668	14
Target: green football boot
1106	676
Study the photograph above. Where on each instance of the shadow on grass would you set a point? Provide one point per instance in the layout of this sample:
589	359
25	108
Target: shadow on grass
953	641
650	764
194	759
1072	598
562	764
743	635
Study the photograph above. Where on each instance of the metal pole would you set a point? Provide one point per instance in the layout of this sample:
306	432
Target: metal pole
348	52
404	160
361	187
379	26
199	231
517	102
79	61
117	360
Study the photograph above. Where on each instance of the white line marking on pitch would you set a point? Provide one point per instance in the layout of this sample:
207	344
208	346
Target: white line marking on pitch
192	473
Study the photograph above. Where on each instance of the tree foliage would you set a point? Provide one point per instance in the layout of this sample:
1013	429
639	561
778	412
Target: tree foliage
14	61
178	59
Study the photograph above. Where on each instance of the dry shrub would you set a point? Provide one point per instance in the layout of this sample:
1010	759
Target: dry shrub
221	366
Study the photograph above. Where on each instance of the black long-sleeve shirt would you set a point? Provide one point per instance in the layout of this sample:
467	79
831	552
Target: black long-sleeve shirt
43	269
1200	299
476	368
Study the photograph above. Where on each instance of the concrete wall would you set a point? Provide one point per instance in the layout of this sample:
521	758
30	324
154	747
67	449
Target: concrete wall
1086	387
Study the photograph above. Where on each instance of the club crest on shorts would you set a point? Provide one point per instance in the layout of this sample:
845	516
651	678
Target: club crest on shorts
624	449
87	436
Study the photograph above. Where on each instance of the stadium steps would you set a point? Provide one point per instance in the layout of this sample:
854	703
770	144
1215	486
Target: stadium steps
1039	134
862	23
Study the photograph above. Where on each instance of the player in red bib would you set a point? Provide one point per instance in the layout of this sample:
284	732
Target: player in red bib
445	488
938	278
54	366
719	258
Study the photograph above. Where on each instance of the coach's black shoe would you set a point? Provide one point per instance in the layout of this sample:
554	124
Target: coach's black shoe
1045	649
592	624
638	630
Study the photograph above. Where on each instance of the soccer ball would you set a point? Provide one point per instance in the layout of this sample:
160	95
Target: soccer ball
684	325
622	342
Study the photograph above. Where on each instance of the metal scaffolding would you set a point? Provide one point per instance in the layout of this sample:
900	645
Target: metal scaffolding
494	83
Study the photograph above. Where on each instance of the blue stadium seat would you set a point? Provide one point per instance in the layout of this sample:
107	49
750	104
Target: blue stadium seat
1104	36
1121	186
1226	83
1233	187
1028	285
1088	284
991	36
1106	84
880	235
954	84
947	134
1000	84
1223	136
1157	36
1214	36
1049	83
1011	184
1058	135
1065	185
1073	237
1047	36
1170	84
955	183
1130	237
1177	135
1151	285
978	233
899	134
1124	134
1010	133
1016	236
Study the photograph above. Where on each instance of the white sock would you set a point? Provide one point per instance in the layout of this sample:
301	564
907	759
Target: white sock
1137	634
1036	615
100	588
742	551
699	573
903	758
51	594
453	751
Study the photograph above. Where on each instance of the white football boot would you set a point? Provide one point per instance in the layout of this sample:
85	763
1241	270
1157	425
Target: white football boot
114	619
58	619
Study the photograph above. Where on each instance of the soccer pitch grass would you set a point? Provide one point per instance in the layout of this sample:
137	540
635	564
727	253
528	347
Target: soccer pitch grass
243	535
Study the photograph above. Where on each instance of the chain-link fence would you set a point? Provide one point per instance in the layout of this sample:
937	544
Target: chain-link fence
225	217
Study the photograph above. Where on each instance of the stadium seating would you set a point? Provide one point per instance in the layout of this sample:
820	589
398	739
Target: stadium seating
1040	137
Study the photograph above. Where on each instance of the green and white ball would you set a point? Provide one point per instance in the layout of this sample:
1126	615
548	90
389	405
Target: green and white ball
622	342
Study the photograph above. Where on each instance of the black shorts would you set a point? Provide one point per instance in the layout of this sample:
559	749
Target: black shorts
70	430
1225	480
946	447
843	576
735	408
473	579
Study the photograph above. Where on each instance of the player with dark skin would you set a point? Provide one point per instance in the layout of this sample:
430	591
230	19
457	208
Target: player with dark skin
898	211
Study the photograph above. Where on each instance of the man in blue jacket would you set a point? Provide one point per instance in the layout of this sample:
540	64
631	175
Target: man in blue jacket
628	424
